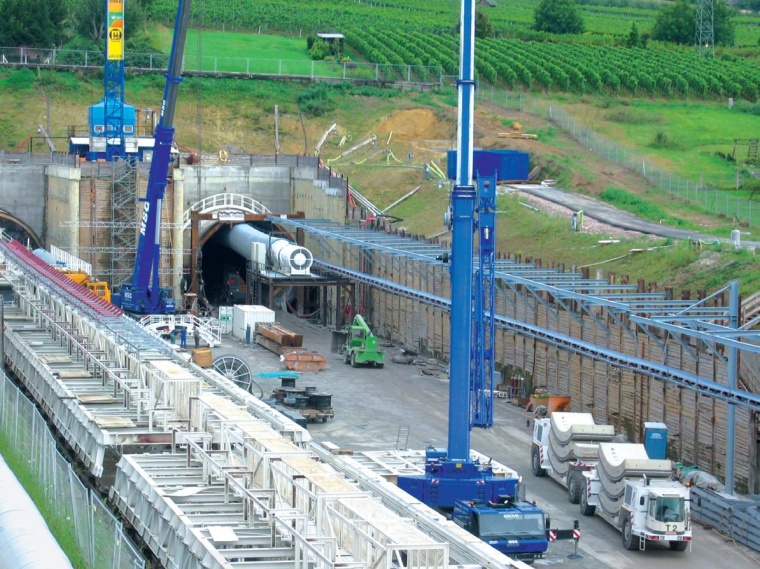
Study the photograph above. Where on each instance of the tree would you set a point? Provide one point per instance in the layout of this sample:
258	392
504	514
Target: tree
723	25
677	23
33	23
483	26
633	39
558	17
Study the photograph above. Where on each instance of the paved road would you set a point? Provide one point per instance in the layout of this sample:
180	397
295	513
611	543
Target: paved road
608	214
371	404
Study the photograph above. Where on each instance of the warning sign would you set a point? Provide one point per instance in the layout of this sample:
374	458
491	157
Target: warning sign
115	43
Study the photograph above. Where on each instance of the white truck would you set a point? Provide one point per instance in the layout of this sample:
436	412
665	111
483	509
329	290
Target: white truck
636	495
565	445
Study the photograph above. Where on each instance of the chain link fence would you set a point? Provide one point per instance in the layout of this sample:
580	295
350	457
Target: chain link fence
705	194
100	536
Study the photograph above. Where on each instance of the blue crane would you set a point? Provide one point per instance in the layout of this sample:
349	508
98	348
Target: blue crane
453	481
144	295
455	474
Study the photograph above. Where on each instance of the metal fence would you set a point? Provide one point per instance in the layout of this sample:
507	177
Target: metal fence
236	66
702	193
734	518
99	534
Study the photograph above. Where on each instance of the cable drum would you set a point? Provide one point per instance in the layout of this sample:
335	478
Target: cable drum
320	400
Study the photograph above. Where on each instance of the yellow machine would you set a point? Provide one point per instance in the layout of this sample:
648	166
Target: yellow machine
74	268
98	287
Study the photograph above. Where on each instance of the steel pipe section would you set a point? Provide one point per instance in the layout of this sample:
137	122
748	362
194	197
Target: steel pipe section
282	255
25	540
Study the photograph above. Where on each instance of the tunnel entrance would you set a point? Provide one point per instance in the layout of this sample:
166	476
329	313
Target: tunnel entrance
228	279
18	230
224	274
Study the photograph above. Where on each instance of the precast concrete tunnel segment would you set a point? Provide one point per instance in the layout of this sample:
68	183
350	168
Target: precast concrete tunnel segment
284	256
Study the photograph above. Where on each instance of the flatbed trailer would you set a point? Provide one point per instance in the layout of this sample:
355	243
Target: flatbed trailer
314	415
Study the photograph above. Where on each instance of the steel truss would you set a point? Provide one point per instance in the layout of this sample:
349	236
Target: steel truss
694	325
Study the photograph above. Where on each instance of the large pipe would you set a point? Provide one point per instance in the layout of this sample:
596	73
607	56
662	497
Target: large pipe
25	540
282	255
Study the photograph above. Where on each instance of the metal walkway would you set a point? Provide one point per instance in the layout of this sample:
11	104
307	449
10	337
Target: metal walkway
206	474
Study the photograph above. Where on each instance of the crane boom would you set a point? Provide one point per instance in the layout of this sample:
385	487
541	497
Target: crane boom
143	295
462	242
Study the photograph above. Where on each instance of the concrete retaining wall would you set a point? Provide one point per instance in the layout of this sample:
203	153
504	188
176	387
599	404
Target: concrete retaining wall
22	194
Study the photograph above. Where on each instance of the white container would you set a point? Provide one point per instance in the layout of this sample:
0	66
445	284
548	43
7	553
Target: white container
225	319
244	315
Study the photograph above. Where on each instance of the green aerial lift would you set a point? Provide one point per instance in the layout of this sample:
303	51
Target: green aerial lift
360	346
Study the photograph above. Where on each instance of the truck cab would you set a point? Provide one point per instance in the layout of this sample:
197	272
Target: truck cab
517	528
660	514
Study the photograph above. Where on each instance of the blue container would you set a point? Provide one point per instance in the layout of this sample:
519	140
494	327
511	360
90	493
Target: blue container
656	440
509	165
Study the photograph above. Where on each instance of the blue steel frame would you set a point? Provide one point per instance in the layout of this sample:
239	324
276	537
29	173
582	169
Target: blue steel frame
484	332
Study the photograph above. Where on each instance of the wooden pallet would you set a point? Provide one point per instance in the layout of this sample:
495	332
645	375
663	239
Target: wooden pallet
314	415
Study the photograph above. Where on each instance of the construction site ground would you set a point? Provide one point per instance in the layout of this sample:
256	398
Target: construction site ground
372	405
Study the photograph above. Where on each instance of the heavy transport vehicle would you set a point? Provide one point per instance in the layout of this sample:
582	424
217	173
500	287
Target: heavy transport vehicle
637	496
565	445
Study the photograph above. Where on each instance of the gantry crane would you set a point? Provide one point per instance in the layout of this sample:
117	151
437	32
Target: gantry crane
143	294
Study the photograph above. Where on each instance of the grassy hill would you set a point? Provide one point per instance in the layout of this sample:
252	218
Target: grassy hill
413	128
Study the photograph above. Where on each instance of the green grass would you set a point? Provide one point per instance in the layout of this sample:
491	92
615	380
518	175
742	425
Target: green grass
625	200
691	133
62	529
234	45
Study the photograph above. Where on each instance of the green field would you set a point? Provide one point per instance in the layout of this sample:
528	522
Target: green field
691	132
238	45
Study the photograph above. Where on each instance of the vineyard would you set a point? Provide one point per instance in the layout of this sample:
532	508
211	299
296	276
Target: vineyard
410	34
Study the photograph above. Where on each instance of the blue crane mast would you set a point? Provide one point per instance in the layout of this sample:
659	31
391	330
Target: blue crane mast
484	331
113	80
144	295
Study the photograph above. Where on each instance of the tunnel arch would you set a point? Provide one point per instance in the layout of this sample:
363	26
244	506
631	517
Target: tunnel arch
18	229
224	201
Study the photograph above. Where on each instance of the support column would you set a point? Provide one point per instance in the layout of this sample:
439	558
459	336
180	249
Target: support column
733	375
178	213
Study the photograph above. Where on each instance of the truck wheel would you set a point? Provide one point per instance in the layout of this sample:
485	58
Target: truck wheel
630	541
574	487
585	508
535	461
679	545
377	365
353	360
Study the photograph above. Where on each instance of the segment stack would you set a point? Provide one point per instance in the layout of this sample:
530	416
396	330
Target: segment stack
574	437
621	461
